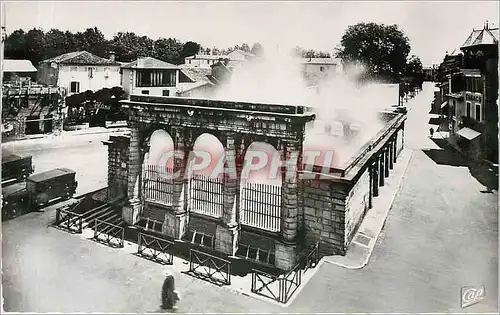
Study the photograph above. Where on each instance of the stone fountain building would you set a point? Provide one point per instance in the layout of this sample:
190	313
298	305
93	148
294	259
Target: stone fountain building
271	225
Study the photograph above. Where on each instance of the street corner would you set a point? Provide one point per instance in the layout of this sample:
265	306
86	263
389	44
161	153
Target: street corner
357	256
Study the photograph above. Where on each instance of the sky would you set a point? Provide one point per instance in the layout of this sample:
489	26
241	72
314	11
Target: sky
433	27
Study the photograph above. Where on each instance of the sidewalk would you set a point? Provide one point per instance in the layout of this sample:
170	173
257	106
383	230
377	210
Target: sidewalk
358	254
92	130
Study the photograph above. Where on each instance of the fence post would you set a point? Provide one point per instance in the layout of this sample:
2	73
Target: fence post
80	224
68	224
95	228
190	260
58	216
122	242
282	288
139	243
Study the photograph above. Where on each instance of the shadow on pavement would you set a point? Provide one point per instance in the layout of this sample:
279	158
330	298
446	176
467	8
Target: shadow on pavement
484	173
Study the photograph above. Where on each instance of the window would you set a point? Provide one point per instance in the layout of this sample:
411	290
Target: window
166	93
478	112
73	69
150	78
145	92
74	87
468	109
91	71
468	84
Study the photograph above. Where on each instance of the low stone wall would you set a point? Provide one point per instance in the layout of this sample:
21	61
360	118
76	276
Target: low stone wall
356	205
324	215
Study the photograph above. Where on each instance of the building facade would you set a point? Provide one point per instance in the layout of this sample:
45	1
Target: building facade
474	96
235	58
79	72
150	76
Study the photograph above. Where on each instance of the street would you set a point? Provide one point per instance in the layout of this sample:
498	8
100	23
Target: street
83	153
441	234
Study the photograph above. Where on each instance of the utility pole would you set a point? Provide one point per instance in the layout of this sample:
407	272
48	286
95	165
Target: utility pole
4	36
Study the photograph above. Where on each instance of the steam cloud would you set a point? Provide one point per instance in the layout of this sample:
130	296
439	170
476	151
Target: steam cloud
337	99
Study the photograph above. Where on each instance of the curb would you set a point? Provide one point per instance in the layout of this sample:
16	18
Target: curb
374	240
64	134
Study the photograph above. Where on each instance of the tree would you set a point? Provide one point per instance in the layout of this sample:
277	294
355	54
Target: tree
383	49
129	46
257	49
414	66
57	43
35	46
93	41
168	50
15	45
309	53
190	49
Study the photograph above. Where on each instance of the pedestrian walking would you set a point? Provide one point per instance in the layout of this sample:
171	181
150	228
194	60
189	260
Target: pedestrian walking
169	296
431	131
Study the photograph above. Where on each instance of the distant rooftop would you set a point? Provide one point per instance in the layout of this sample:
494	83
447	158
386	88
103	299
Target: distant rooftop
149	63
331	61
485	36
10	65
81	58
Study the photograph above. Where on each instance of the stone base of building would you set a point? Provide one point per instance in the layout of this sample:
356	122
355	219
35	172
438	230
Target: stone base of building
226	239
286	255
131	211
175	225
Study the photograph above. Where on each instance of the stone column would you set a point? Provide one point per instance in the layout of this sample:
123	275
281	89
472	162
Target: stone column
403	135
381	170
386	159
286	255
395	156
375	172
176	220
391	155
226	239
132	209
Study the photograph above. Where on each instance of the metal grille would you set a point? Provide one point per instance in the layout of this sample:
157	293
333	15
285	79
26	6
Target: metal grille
261	206
207	195
158	184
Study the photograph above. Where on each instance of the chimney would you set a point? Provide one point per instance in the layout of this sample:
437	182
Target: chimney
140	62
486	25
112	55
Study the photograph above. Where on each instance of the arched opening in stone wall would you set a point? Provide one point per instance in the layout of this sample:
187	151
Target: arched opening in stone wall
260	188
205	176
157	170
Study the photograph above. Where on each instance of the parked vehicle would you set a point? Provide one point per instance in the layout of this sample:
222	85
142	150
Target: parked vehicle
15	167
47	186
14	201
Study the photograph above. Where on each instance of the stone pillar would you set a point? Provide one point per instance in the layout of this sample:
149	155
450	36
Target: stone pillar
403	135
395	144
176	220
386	159
132	208
381	170
226	238
391	155
286	249
375	172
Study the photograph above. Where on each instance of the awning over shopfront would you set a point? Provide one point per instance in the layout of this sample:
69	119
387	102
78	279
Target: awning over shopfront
468	133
